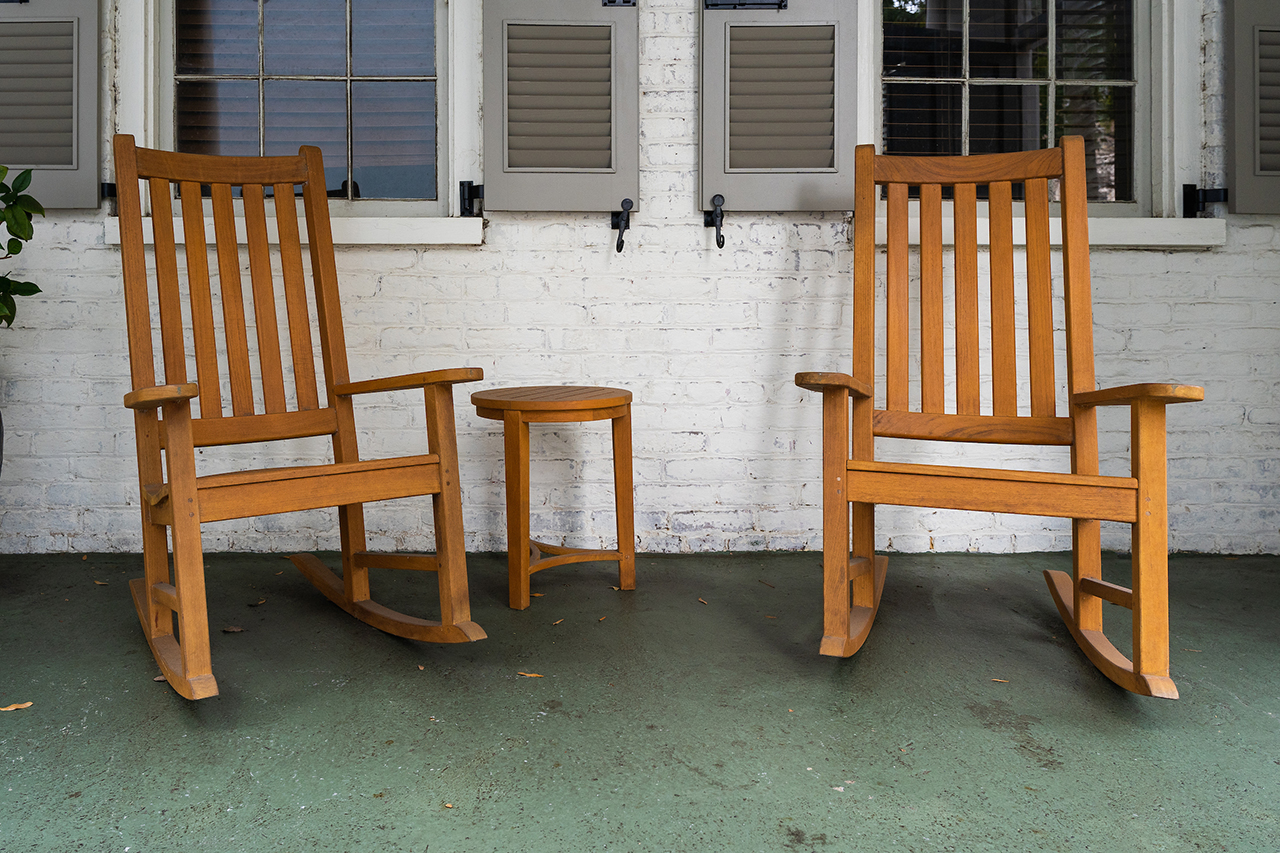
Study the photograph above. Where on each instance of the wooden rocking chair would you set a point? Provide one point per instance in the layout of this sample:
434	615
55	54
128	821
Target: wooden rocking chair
919	404
261	406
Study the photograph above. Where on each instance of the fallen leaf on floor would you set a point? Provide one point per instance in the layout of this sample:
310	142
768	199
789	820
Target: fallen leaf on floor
18	707
421	667
101	583
232	629
557	622
529	674
771	617
448	805
279	573
85	557
702	600
536	594
259	601
616	588
159	678
1001	680
837	787
602	618
1191	650
766	583
850	781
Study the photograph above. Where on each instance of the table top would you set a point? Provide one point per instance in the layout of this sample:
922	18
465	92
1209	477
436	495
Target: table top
550	398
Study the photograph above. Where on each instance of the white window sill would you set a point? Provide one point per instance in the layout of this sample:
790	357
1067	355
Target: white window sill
1104	232
353	231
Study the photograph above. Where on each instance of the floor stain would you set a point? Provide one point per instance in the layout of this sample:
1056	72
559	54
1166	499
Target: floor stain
998	716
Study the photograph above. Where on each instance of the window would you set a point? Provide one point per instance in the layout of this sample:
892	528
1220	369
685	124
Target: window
358	78
991	76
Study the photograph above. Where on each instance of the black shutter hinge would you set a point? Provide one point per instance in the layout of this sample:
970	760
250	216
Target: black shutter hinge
469	193
1194	199
779	5
107	191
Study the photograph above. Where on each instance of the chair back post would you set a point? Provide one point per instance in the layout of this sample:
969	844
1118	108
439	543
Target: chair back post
134	265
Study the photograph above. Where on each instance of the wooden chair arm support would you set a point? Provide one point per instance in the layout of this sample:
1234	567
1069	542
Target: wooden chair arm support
410	380
824	381
158	395
1127	395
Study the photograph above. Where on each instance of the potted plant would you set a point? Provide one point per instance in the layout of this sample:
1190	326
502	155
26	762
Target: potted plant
16	210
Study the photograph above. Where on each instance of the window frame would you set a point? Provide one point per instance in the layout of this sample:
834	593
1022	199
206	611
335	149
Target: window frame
1168	114
143	106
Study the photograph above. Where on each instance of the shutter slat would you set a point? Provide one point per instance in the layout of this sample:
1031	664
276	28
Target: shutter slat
781	97
1267	126
37	79
559	97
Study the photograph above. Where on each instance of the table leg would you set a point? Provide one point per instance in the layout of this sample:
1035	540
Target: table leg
515	439
624	500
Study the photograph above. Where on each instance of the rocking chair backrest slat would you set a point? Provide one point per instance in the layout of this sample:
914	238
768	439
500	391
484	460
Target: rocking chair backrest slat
170	299
1040	300
932	385
273	394
304	370
264	300
224	229
968	381
1016	326
203	335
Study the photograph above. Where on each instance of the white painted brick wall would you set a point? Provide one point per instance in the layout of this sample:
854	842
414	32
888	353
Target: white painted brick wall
726	447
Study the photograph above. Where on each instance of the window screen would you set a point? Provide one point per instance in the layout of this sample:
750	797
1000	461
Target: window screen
358	78
994	76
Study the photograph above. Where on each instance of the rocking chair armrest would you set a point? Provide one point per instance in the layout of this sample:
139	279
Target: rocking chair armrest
449	376
158	395
1127	395
813	381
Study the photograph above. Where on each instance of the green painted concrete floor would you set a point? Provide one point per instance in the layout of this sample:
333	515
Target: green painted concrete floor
969	721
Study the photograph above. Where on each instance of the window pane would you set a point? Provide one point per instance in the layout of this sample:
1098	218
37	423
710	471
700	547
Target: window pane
1095	39
393	132
393	37
307	112
1006	118
922	118
1103	115
305	37
218	117
217	36
1008	38
923	38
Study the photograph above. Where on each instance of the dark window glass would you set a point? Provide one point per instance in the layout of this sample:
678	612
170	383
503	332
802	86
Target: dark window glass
354	77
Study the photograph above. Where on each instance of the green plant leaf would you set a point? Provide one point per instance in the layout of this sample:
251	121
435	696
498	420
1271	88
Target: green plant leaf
4	170
30	205
19	223
23	181
8	308
15	246
23	288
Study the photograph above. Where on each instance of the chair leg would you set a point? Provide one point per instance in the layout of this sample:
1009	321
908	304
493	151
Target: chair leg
185	659
624	500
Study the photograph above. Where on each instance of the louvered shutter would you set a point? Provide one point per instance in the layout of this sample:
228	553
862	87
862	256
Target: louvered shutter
778	106
561	105
49	98
1253	99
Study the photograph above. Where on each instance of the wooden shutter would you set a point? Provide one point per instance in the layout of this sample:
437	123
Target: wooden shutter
1253	101
49	98
561	97
778	106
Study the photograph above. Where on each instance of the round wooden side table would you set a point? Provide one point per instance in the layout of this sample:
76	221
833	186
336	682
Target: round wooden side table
519	407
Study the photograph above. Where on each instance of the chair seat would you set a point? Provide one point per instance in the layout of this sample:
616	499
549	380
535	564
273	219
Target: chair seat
264	491
994	490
